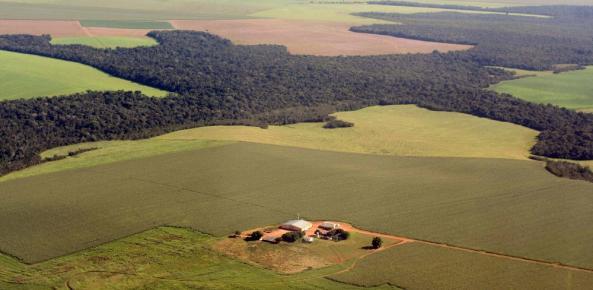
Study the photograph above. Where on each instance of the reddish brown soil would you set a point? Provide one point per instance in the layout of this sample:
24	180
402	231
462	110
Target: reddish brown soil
39	27
314	38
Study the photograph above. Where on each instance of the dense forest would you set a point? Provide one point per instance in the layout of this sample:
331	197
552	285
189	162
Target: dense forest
534	43
215	82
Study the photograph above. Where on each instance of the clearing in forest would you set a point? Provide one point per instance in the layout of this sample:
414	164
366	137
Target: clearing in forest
25	76
573	89
313	37
106	41
403	130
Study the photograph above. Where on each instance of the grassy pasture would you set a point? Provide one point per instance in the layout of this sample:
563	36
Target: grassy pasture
127	24
403	130
26	76
241	186
162	258
421	266
106	41
388	130
573	90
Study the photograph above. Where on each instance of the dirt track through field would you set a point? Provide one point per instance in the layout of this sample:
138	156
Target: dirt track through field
405	240
312	38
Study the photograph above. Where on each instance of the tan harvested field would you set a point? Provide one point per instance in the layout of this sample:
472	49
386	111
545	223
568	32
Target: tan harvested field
312	37
39	27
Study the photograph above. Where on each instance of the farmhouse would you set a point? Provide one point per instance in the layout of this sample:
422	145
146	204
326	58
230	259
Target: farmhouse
296	225
329	225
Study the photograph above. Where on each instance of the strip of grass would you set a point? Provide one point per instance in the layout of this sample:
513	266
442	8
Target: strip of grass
573	90
106	41
127	24
25	76
162	258
221	189
421	266
109	152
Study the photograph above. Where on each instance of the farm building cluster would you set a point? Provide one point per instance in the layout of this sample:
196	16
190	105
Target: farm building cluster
299	229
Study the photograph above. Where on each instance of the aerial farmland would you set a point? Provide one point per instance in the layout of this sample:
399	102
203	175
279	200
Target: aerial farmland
296	144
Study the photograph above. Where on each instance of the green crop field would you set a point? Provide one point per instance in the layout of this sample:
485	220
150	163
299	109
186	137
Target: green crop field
220	189
109	152
573	90
162	258
127	24
106	41
25	76
388	130
422	266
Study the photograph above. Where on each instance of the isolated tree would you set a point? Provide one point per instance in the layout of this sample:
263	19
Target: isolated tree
377	242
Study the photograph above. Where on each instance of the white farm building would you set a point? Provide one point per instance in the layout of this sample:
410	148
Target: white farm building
296	225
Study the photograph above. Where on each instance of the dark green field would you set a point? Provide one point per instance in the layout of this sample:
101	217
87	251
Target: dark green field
422	266
512	207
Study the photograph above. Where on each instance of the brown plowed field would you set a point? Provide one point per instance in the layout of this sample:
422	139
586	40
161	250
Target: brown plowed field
39	27
314	38
103	31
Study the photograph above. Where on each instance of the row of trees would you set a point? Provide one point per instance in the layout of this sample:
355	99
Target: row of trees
215	82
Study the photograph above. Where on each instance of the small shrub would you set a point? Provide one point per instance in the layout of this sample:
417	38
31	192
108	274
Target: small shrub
339	235
291	237
255	236
377	243
333	124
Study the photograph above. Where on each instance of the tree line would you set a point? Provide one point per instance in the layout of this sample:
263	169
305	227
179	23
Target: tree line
216	82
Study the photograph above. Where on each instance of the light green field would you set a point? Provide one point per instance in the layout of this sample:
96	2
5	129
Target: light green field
422	266
109	152
127	24
388	130
26	76
573	90
342	12
220	189
162	258
106	41
404	130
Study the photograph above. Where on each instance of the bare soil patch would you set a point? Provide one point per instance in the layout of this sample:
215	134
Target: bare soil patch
312	38
39	27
